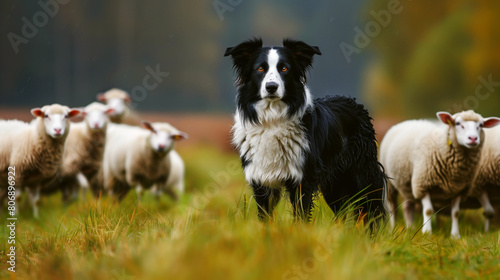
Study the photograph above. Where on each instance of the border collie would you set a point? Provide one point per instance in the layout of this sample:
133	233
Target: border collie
288	140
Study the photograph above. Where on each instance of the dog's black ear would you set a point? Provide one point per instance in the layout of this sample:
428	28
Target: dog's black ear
244	49
301	48
243	52
242	55
301	51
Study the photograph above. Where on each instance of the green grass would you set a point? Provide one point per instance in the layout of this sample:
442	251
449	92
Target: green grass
213	233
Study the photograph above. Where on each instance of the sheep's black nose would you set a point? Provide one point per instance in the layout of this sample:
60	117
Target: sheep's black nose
271	87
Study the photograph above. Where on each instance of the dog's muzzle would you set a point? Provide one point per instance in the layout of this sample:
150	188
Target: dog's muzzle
272	88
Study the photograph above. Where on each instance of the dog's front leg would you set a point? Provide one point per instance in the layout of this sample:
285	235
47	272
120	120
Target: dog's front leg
267	199
301	197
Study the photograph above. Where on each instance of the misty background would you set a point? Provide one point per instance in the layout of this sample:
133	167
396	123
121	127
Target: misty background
401	58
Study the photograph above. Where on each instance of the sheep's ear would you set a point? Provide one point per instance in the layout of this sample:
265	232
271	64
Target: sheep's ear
109	111
445	118
491	122
37	112
148	126
83	113
74	112
100	97
179	136
127	98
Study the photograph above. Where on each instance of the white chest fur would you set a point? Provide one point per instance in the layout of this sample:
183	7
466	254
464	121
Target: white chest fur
275	149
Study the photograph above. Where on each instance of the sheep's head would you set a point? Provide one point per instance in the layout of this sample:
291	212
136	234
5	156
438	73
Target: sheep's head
96	115
55	119
163	136
466	128
116	99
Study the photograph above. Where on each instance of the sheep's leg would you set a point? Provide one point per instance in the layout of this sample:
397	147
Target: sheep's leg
66	193
34	197
156	191
393	219
97	184
69	189
428	211
455	211
171	192
119	189
409	212
179	186
83	185
139	190
392	199
488	210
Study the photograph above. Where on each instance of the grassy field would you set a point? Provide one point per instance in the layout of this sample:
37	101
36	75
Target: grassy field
213	233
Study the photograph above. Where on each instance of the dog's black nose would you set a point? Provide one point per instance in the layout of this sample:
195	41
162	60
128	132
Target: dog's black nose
271	87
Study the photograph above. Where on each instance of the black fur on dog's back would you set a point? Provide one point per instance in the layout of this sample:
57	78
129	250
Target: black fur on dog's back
343	153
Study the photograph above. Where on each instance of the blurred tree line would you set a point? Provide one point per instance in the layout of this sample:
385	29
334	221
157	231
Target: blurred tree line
86	47
90	46
435	56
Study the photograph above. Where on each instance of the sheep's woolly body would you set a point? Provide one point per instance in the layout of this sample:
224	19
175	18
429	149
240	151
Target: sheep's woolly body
7	127
423	157
176	175
129	159
84	150
10	126
35	155
130	117
488	171
144	167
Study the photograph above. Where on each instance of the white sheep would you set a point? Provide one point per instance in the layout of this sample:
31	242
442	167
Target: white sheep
143	157
35	150
119	101
9	126
83	151
424	158
486	182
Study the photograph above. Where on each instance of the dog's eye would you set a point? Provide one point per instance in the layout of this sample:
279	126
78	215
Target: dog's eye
261	69
284	69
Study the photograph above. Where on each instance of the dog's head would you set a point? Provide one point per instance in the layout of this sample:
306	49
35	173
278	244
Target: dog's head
270	68
272	73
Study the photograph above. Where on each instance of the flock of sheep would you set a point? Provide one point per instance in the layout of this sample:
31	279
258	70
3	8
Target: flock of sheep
47	155
430	163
